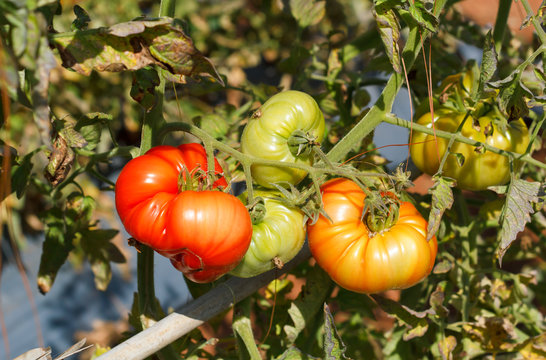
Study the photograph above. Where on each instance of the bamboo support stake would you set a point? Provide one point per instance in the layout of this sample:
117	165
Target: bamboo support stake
195	313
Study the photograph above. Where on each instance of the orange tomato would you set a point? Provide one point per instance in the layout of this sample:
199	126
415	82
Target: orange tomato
362	261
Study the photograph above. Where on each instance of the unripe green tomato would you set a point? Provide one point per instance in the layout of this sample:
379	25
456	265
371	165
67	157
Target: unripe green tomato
478	170
276	238
268	132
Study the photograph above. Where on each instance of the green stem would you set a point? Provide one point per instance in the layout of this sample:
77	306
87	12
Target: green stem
538	27
248	160
167	8
152	124
392	119
501	23
382	106
451	141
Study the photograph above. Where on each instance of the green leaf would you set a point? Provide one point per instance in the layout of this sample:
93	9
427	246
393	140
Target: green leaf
134	45
242	327
90	130
143	88
79	210
334	348
98	249
422	16
293	353
512	94
488	66
442	199
417	324
21	173
82	18
437	301
517	211
72	137
389	29
55	249
307	12
304	308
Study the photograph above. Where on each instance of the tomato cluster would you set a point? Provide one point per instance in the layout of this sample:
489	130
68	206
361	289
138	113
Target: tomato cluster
208	233
472	167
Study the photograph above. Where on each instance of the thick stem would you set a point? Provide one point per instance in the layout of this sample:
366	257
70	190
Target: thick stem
501	23
382	106
152	124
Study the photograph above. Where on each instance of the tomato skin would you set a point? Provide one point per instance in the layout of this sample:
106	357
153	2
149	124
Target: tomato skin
267	132
360	261
280	234
209	234
155	212
479	171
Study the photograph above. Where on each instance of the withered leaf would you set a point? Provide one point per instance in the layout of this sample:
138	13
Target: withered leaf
134	45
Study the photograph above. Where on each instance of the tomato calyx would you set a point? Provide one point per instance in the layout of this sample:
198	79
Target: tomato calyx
196	180
382	217
301	143
257	210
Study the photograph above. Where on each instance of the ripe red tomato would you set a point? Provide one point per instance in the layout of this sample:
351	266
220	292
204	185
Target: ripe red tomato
156	213
208	235
360	260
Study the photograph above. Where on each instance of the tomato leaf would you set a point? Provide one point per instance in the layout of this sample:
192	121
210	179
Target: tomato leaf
442	199
60	161
304	309
334	348
491	332
242	328
417	324
488	66
307	12
82	18
145	81
422	16
389	29
517	211
437	301
100	251
512	93
134	45
293	353
55	249
446	347
21	173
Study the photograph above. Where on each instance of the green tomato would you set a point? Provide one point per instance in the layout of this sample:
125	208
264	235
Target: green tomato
274	128
478	170
277	236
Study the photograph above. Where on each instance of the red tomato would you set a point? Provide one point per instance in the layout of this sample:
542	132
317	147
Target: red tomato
152	209
212	231
360	260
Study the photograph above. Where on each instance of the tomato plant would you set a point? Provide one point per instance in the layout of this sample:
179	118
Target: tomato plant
361	260
278	233
473	168
285	128
191	227
66	126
